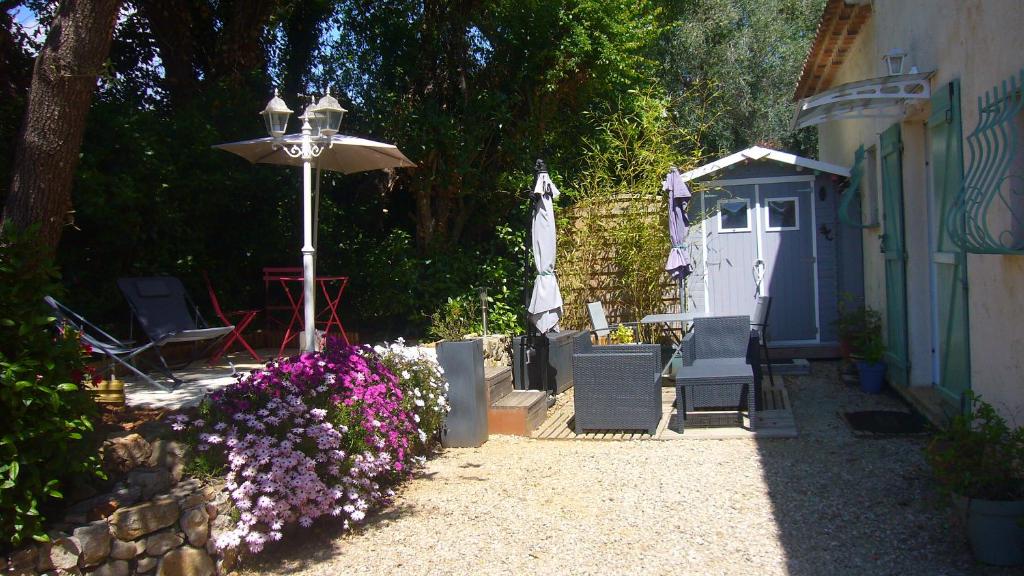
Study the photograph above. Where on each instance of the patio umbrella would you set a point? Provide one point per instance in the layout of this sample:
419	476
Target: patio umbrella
546	304
345	154
678	265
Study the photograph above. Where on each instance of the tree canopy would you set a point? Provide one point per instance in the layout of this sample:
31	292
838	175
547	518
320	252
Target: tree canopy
473	91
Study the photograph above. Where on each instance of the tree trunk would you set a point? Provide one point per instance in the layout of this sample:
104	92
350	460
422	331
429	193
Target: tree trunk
174	29
63	81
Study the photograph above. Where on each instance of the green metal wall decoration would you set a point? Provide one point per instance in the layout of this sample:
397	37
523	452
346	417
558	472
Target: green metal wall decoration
853	190
988	214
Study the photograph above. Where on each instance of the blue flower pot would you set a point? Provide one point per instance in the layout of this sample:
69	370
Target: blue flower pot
995	532
872	376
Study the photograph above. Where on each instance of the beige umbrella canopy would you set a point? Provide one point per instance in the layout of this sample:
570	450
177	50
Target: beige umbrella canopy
345	154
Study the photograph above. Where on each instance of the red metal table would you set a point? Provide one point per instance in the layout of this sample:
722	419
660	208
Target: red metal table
331	287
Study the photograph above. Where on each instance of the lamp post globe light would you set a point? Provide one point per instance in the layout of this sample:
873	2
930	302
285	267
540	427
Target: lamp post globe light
320	122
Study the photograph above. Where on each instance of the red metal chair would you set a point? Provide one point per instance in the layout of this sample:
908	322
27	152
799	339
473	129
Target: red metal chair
245	317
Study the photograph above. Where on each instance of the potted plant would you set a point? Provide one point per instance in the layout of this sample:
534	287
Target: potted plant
850	322
870	353
979	460
868	350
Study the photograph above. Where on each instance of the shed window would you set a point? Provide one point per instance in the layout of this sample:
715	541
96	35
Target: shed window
734	215
782	214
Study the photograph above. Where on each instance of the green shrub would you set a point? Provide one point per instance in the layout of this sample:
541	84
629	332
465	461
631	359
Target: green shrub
622	335
455	319
979	455
45	435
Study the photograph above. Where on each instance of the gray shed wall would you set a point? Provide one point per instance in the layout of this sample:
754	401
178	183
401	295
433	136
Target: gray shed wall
839	256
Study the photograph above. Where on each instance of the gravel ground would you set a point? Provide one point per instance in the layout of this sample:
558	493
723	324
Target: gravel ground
823	503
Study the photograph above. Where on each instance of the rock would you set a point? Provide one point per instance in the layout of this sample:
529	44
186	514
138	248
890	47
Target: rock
43	562
24	561
76	518
195	523
146	564
64	553
177	471
94	542
126	495
131	523
112	568
496	350
152	481
167	454
125	453
102	509
211	511
189	494
228	560
3	564
81	491
186	561
123	550
159	544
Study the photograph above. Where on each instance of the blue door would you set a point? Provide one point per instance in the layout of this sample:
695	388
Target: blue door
789	254
732	254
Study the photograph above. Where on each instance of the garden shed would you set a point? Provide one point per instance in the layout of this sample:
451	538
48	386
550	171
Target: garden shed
766	224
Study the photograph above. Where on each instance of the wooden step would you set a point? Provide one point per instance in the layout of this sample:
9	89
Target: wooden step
499	382
518	413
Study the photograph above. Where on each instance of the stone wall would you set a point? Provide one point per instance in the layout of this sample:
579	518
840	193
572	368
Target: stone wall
150	521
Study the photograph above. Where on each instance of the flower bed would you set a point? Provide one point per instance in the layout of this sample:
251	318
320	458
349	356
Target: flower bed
320	434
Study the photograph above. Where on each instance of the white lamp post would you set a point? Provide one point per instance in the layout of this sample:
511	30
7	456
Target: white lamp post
319	123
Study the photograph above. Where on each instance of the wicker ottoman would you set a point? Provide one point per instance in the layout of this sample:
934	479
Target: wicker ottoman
715	382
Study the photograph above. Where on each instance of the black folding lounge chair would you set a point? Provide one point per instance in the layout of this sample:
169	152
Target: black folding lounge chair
102	343
167	315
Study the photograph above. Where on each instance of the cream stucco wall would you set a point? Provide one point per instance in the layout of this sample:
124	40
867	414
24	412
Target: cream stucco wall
978	42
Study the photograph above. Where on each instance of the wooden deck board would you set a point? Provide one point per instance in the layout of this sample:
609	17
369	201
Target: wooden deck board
775	420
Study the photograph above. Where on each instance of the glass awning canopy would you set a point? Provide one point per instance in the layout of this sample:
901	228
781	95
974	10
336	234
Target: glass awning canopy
884	97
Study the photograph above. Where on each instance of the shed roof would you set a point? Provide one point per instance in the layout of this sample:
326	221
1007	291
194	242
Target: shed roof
760	153
840	23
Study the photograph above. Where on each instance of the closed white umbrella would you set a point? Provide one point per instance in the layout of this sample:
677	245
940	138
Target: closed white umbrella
546	304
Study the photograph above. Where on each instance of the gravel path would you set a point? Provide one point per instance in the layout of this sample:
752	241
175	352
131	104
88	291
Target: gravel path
824	503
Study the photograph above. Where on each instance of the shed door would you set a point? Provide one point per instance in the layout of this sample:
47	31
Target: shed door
895	256
732	254
949	262
789	253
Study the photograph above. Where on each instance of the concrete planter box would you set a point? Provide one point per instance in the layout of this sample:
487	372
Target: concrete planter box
463	364
559	373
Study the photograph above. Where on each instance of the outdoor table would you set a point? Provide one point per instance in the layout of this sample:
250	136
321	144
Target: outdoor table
667	320
332	288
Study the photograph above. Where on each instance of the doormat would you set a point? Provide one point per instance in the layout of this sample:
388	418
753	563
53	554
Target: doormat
885	423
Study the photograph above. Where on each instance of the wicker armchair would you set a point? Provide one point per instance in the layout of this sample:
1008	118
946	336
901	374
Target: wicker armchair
714	370
617	387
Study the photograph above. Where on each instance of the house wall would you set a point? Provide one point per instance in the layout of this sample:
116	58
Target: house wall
976	41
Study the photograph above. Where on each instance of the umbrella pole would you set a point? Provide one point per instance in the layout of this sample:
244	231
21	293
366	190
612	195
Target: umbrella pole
526	342
540	342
